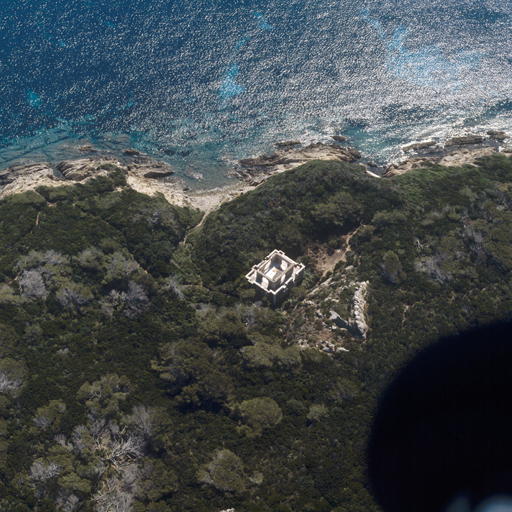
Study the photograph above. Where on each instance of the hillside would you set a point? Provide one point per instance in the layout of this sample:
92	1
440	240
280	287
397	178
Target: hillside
143	373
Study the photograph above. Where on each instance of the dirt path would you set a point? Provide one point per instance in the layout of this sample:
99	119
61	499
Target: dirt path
326	262
184	241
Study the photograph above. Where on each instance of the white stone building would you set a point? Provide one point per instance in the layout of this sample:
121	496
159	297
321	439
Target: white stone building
276	275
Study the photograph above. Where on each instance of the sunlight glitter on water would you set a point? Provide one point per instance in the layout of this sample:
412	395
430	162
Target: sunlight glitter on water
203	85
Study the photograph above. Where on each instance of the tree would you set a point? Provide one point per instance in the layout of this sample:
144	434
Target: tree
50	415
259	414
225	472
103	396
74	295
91	259
392	268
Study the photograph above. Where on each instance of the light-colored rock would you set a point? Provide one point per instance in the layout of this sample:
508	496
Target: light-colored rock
20	178
454	158
497	135
418	162
466	140
413	146
150	169
360	308
11	174
194	175
338	320
289	157
83	168
465	156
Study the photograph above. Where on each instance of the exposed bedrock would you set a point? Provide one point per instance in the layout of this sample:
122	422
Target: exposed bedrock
87	149
131	152
418	162
151	169
15	172
357	327
287	143
453	158
193	175
496	135
288	157
141	166
464	141
83	168
419	145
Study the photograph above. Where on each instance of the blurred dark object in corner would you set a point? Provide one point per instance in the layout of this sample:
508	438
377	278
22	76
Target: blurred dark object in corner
444	426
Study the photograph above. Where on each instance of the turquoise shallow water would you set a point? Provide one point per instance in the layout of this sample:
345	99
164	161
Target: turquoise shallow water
201	84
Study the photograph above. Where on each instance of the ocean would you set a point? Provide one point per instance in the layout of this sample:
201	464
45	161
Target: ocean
202	84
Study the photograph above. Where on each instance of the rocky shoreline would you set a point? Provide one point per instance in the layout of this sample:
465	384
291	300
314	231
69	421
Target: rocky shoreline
288	156
454	152
149	176
143	174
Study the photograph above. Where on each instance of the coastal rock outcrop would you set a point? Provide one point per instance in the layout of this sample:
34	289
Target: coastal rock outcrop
83	168
467	140
418	162
453	158
15	172
287	143
418	145
147	168
287	157
19	178
497	135
194	175
87	149
465	156
131	152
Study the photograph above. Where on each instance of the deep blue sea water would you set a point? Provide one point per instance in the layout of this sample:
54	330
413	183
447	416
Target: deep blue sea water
204	83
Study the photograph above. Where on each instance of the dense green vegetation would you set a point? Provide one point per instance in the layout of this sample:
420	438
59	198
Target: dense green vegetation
138	373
